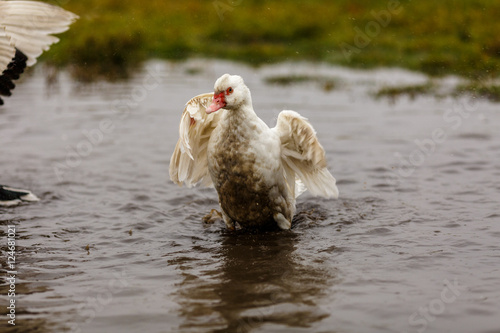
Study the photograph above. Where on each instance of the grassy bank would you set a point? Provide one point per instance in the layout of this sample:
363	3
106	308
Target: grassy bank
436	37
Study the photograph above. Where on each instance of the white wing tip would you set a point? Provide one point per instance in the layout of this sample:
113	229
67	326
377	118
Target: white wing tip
331	189
30	197
323	184
334	193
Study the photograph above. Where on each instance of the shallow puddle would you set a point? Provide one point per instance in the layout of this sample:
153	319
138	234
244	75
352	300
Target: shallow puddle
412	244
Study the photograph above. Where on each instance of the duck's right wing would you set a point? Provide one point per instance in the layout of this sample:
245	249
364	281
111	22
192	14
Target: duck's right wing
189	162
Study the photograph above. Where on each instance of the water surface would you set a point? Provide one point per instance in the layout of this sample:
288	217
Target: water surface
412	244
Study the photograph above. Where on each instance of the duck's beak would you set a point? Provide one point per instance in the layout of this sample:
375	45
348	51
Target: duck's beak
218	103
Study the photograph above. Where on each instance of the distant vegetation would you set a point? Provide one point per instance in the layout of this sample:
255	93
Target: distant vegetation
411	91
326	83
436	37
480	90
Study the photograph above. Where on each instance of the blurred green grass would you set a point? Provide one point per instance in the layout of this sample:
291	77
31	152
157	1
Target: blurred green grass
436	37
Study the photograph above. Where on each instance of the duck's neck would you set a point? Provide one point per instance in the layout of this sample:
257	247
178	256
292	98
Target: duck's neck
242	115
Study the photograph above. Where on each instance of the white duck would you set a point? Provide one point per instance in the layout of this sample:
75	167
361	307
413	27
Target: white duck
25	32
257	171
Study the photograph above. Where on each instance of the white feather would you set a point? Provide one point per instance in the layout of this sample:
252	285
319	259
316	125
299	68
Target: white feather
27	26
189	164
7	51
303	154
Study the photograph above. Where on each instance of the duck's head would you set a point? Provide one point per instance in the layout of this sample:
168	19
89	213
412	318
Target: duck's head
230	93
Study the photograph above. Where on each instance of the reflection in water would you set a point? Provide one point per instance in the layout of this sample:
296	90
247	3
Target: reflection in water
254	280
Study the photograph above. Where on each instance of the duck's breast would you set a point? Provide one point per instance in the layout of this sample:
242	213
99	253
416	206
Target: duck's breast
246	170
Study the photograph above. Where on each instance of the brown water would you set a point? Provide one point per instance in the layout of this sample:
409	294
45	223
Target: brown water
113	246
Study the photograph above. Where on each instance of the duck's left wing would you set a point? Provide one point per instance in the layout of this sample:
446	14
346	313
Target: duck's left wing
189	162
303	156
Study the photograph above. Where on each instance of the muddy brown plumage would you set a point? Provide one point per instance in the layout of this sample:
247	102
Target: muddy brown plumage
244	193
257	171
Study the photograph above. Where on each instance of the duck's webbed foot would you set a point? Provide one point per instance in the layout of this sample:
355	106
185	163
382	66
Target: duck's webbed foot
212	217
230	224
282	222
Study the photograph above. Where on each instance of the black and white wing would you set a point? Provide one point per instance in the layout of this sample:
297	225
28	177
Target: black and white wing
26	29
11	196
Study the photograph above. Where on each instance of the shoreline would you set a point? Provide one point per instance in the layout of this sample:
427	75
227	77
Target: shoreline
392	83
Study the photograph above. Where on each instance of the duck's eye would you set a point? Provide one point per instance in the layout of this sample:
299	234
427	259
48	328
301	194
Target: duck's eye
229	91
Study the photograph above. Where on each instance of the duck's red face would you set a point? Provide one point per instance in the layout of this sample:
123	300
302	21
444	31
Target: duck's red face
219	101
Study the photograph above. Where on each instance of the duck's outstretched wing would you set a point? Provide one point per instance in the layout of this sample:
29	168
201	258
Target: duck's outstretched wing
14	69
303	156
30	24
7	50
25	32
189	162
